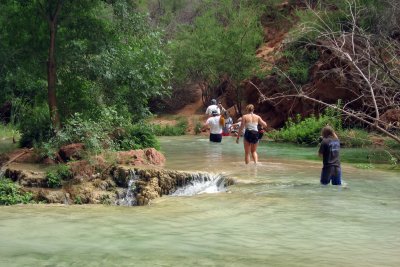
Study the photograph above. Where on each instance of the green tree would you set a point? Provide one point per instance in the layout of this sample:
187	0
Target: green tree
221	42
88	53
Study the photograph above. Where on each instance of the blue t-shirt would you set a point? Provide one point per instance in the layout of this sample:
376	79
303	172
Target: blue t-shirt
329	149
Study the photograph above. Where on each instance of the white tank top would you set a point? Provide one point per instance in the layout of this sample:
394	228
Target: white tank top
252	126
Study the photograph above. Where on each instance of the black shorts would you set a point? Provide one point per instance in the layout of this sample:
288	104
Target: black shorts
216	138
331	173
251	136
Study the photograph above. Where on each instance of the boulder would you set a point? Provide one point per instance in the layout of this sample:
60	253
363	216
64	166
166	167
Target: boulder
71	151
141	157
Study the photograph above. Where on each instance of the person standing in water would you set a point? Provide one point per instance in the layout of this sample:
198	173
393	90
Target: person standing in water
213	107
329	151
215	127
250	122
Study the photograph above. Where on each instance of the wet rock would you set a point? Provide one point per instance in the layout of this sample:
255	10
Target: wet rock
154	183
51	196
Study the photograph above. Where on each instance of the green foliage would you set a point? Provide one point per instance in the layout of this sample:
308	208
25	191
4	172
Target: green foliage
221	42
299	60
107	54
57	175
8	134
109	130
136	69
139	136
197	127
171	130
308	130
78	200
35	125
354	138
10	193
53	180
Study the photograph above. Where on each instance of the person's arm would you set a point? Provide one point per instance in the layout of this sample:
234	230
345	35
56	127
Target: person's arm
205	126
221	108
241	129
262	123
321	149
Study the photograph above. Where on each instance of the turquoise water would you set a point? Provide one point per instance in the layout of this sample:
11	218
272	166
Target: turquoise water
276	215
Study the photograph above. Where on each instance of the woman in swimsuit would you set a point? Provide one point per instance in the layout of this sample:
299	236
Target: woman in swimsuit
250	122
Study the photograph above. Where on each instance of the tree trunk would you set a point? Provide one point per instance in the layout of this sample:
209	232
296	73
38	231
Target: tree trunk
51	65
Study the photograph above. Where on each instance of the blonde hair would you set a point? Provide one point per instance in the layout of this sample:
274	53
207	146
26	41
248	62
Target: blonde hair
250	108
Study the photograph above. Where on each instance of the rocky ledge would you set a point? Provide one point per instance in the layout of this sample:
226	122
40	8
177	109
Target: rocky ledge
94	181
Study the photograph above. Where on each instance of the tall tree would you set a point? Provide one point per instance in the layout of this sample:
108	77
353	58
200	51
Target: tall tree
220	43
51	11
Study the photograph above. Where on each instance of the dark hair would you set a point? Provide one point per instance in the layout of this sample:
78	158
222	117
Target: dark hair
327	132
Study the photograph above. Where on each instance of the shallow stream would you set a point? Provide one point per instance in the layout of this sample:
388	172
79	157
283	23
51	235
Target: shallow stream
276	214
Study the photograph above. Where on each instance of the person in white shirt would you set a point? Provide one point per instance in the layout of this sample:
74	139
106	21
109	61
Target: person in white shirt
215	127
213	107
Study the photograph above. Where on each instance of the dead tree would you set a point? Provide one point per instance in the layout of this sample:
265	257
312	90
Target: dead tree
371	60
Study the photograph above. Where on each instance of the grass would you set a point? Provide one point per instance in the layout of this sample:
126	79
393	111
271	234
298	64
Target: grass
8	133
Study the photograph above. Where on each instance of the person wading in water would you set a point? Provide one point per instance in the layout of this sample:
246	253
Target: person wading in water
250	122
215	127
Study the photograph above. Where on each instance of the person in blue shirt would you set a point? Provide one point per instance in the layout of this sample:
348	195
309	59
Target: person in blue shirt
329	151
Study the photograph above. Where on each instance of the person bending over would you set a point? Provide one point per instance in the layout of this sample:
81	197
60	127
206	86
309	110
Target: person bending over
250	122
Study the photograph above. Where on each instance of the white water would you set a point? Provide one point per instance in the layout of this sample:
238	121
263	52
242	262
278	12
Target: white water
202	183
128	198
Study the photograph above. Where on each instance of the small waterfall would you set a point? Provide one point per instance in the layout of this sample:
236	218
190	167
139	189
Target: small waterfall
128	198
201	183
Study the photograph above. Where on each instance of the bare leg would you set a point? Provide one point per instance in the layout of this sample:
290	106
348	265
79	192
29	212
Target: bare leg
254	152
247	148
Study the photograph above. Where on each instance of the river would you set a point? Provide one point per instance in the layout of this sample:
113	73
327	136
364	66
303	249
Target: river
276	214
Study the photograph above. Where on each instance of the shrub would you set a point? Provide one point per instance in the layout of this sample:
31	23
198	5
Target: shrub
354	138
171	130
308	130
58	174
35	126
299	60
197	127
108	131
53	180
138	136
10	193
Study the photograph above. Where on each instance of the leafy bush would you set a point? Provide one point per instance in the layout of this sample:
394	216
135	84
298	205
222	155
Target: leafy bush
138	136
8	133
58	174
308	130
108	131
354	138
197	127
35	126
53	180
171	130
299	60
10	193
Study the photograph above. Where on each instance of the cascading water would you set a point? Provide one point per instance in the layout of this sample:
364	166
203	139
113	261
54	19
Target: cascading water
201	183
128	198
